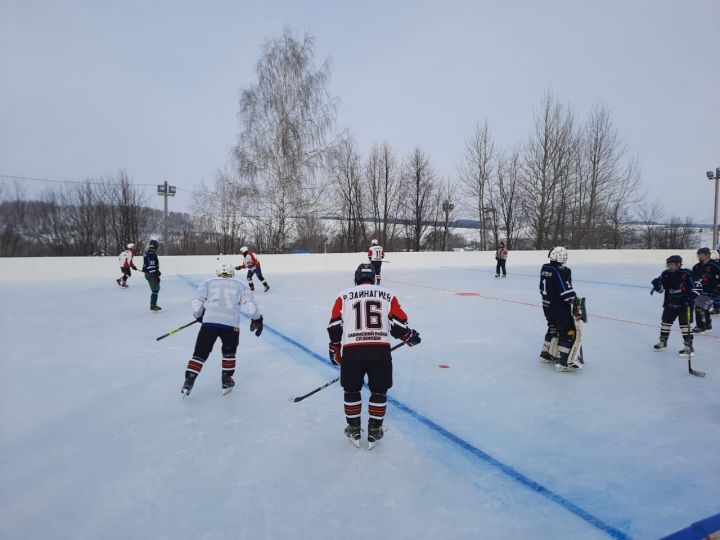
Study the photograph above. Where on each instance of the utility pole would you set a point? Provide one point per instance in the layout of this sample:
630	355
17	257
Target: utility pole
165	191
715	177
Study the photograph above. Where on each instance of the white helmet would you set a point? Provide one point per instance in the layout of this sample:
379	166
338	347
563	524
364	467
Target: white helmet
224	270
244	250
374	242
558	254
714	255
131	246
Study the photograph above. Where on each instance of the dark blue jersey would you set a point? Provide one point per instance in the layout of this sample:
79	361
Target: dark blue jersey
556	284
679	287
151	264
709	278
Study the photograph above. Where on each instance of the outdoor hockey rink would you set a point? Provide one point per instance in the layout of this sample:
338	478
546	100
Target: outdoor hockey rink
96	442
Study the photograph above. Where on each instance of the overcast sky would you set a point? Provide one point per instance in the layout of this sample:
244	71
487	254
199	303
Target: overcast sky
88	88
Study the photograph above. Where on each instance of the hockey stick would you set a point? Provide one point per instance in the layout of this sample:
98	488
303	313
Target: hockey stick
171	332
692	371
336	379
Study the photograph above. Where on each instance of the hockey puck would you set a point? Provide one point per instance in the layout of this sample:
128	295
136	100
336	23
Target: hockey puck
443	366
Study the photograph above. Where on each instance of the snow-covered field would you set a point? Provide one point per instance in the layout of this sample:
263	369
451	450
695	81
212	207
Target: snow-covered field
96	441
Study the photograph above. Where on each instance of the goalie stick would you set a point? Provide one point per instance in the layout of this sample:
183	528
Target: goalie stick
336	379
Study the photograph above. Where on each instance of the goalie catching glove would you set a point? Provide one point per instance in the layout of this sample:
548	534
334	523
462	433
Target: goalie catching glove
334	354
256	325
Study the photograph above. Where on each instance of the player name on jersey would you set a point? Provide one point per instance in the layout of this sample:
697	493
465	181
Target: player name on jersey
368	293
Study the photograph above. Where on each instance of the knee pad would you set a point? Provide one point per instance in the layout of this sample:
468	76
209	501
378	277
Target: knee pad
378	397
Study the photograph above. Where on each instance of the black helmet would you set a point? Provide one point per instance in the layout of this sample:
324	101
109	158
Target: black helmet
153	244
674	259
704	250
365	273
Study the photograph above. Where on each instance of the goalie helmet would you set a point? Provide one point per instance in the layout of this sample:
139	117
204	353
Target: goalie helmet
714	255
374	242
244	250
131	246
225	270
365	273
153	244
558	254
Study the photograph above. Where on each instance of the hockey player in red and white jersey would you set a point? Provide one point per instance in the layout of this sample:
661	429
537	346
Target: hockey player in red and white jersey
126	263
252	263
376	254
363	319
217	305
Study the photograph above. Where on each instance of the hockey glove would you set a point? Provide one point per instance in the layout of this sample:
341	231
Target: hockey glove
134	267
411	338
657	285
257	326
199	315
334	354
238	268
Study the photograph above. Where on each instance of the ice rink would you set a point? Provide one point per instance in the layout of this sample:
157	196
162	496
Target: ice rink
96	442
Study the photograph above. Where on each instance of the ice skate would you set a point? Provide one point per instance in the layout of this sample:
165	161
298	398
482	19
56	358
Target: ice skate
227	384
686	351
375	433
572	366
119	282
546	358
267	287
187	387
700	330
154	308
660	346
353	433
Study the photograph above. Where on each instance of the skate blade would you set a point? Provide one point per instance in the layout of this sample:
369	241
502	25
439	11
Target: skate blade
184	393
355	442
226	391
371	445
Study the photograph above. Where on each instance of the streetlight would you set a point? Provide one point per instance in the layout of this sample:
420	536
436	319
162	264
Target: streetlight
164	190
447	207
716	177
492	210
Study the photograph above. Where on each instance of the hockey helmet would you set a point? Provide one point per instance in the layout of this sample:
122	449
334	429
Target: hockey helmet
131	246
714	255
365	273
224	270
703	251
374	242
153	244
673	259
558	254
244	250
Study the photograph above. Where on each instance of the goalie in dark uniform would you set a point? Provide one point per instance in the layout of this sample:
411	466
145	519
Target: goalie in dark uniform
562	308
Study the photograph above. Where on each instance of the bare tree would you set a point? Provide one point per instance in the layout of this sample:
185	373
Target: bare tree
419	188
476	172
507	197
382	177
345	173
285	118
650	215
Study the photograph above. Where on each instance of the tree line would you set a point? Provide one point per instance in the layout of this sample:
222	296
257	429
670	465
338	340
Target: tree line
571	182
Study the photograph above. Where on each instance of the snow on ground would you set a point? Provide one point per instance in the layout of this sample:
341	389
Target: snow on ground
97	443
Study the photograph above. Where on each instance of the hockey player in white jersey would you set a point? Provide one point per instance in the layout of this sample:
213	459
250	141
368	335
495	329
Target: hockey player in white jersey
363	319
217	304
376	254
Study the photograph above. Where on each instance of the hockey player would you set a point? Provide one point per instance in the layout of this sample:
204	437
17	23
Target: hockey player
251	262
363	319
677	283
558	297
706	274
151	268
126	263
715	257
217	305
501	255
376	256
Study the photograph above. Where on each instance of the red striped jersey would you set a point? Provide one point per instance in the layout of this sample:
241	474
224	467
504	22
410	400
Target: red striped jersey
366	315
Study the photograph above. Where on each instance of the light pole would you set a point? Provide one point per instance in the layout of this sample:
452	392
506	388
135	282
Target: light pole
492	210
164	190
716	177
447	207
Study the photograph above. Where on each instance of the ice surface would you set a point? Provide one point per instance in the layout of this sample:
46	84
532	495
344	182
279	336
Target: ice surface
96	442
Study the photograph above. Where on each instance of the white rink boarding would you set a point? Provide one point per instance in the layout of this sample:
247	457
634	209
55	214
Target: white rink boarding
23	268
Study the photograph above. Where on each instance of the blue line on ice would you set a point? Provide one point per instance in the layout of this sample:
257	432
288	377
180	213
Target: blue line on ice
461	443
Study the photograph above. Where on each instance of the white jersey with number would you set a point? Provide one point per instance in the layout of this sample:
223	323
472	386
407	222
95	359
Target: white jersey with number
366	313
376	253
223	300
